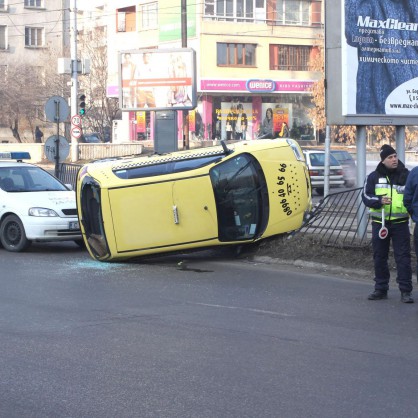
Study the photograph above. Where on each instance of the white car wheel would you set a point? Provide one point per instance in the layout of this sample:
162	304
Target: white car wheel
12	234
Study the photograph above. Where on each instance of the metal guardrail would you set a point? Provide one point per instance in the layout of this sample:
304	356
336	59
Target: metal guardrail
340	219
68	173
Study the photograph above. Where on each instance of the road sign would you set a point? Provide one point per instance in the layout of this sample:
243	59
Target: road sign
57	109
76	132
51	148
76	120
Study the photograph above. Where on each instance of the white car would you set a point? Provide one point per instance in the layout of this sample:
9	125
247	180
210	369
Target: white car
35	206
315	161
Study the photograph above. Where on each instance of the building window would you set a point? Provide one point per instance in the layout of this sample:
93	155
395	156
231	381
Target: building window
3	73
236	10
34	37
274	12
3	37
126	19
316	13
292	12
236	55
38	75
3	5
290	57
33	3
149	16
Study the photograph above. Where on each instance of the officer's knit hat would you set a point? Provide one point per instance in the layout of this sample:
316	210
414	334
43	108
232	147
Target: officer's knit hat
385	151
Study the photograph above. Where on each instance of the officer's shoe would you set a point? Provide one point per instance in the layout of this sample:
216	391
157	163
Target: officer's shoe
406	297
378	294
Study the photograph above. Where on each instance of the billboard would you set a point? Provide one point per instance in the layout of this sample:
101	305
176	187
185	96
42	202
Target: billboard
157	79
169	23
373	71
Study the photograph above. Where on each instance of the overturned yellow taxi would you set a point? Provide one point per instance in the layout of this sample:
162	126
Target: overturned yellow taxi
223	195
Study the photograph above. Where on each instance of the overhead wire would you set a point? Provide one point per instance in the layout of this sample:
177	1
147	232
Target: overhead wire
166	11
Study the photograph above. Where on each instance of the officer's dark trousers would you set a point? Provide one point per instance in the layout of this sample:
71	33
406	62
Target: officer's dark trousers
416	242
401	242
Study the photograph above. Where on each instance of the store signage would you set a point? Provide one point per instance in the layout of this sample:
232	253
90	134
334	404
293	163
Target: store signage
288	86
261	86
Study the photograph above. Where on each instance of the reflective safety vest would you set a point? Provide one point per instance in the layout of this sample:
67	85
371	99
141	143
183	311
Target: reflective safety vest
396	210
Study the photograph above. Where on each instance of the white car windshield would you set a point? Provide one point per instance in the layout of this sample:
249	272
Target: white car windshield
28	179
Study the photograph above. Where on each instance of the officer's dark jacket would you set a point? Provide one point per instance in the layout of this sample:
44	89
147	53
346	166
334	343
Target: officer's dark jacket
410	198
384	182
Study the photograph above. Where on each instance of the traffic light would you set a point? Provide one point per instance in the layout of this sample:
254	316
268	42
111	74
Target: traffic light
82	104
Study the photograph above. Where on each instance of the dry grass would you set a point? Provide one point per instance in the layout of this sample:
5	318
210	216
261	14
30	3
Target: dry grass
304	247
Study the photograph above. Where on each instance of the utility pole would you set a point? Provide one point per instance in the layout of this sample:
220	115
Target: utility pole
74	74
184	45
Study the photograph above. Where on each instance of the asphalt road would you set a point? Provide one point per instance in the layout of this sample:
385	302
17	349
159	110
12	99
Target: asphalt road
214	337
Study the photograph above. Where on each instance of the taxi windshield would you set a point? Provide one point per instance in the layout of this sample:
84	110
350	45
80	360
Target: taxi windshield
241	197
17	179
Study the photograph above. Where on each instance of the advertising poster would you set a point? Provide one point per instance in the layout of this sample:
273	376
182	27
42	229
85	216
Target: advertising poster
380	57
281	121
157	80
141	122
235	121
275	120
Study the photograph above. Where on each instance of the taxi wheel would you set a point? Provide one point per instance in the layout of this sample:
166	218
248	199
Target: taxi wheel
12	234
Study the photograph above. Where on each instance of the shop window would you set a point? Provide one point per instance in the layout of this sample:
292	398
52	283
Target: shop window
235	55
290	57
34	37
126	19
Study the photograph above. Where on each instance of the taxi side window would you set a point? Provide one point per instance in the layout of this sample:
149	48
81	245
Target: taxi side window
168	167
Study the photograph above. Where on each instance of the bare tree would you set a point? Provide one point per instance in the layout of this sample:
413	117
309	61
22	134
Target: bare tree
24	90
317	112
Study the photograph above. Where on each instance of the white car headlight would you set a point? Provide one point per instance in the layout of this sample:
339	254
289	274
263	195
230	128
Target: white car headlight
41	212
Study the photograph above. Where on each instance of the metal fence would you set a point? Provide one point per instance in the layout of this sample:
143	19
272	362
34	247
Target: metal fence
340	219
68	173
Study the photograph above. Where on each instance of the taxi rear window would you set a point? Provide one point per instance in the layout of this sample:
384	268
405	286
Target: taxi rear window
168	167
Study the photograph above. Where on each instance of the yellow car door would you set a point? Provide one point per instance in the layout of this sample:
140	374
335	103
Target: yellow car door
194	205
163	214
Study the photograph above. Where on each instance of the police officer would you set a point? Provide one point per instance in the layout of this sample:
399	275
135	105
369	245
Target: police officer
383	189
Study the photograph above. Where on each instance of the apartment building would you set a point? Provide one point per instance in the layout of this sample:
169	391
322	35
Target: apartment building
32	32
252	55
29	27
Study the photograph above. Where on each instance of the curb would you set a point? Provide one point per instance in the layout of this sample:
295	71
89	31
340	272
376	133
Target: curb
364	274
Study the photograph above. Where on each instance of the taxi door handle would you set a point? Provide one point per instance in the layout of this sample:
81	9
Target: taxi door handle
176	215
